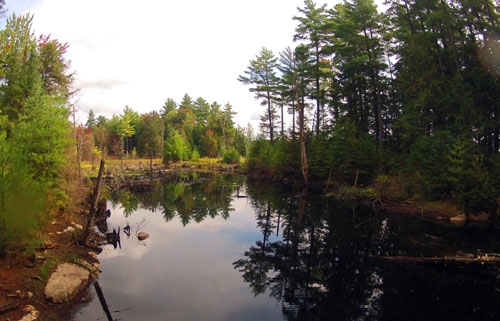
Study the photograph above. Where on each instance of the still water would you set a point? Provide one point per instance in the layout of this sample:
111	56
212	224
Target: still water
225	249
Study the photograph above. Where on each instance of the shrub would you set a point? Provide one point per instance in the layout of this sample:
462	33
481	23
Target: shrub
230	156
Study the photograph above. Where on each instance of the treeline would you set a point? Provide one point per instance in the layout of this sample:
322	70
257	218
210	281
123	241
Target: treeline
36	137
408	98
180	131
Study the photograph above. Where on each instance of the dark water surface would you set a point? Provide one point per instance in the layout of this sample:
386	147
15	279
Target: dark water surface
213	254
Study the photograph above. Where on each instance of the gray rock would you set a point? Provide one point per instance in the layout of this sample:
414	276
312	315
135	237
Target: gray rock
65	283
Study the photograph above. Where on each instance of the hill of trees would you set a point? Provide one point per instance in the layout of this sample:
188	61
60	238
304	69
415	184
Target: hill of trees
178	132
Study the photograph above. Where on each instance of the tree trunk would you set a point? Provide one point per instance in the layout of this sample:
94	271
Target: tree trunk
93	205
270	120
302	139
102	299
356	179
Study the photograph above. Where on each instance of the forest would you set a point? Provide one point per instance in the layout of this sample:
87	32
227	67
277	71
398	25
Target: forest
179	132
404	97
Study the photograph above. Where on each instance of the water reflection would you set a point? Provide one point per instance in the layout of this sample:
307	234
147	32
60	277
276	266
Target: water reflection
225	249
322	268
188	201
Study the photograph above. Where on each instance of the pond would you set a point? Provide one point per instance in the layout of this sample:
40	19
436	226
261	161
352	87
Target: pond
227	249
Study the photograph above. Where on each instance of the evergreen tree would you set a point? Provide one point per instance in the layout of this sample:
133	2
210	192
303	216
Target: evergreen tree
359	63
91	120
288	82
311	30
261	74
176	148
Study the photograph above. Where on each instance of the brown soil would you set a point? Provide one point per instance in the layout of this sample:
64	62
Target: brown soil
24	273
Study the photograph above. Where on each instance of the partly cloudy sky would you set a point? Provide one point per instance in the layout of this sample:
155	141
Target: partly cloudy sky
139	53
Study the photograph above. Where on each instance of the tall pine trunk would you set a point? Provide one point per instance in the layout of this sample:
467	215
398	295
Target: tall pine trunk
302	140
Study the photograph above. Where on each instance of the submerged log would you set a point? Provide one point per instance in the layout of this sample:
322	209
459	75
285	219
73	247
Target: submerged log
483	258
484	267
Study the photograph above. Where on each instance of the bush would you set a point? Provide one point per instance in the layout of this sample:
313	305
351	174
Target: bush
176	148
428	165
230	156
195	156
258	155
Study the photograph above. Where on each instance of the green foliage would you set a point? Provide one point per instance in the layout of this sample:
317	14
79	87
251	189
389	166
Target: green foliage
471	186
195	156
320	153
428	163
34	129
352	152
18	217
230	156
47	268
208	144
277	160
261	75
176	148
206	128
282	160
149	134
443	167
258	154
43	135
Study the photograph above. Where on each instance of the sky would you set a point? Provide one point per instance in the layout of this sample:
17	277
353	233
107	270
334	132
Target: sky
139	53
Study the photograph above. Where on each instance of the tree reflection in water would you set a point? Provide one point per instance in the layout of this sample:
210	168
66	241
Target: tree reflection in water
321	267
314	254
188	201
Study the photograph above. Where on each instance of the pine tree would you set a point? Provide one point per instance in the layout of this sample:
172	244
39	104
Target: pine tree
261	74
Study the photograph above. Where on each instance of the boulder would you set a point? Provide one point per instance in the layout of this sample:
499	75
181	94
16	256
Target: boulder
66	282
142	236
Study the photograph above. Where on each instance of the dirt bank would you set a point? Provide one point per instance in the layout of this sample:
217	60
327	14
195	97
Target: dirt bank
25	271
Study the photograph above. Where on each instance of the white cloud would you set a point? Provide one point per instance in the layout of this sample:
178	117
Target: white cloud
141	53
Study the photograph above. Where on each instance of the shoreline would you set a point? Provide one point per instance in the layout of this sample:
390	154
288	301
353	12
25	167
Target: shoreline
24	284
